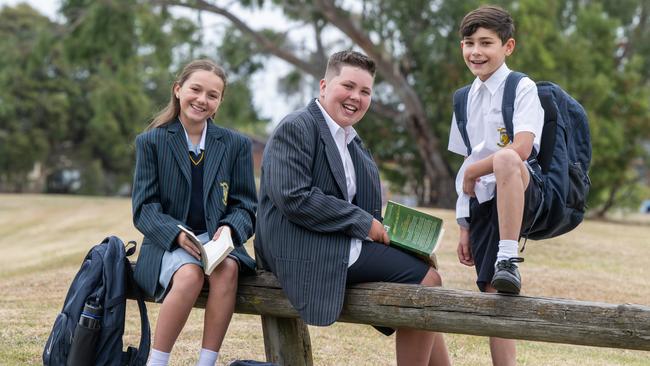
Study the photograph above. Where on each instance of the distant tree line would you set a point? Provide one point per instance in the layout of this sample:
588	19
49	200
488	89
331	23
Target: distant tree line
77	92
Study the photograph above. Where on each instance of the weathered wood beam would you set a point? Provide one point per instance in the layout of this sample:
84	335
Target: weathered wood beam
457	311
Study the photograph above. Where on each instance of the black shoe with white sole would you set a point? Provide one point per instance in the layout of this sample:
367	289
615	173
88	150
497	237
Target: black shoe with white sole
506	277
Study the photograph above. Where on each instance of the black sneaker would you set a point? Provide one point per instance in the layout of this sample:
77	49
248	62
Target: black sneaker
506	277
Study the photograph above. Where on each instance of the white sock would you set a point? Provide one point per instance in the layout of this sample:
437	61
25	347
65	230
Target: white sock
158	358
507	249
207	357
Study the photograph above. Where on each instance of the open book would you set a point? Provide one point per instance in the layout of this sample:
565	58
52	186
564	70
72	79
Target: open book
212	251
412	230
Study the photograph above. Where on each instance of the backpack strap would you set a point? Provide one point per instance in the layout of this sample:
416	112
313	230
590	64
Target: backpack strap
460	111
140	355
508	102
508	107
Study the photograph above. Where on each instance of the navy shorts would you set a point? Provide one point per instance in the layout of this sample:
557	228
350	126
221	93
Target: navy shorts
484	229
382	263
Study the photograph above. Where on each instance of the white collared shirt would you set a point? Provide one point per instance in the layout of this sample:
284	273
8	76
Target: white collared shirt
486	128
342	137
196	149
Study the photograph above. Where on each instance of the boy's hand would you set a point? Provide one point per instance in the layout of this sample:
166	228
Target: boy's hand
378	233
469	181
464	252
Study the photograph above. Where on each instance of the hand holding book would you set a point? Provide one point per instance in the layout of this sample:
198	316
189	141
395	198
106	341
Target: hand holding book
413	230
185	241
378	232
212	252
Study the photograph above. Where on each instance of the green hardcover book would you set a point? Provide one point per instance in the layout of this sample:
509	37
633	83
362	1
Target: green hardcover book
411	229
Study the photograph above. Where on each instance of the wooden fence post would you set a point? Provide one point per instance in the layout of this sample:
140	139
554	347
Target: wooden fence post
286	341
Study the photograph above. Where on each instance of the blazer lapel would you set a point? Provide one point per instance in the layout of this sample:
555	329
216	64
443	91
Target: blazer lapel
214	150
331	151
178	145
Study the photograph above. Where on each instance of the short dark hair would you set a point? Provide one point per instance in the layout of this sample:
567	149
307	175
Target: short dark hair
349	58
489	17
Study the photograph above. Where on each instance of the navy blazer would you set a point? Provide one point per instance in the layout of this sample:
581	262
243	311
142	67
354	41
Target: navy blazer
162	189
305	222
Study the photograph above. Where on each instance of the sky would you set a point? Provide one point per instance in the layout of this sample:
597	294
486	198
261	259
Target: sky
269	102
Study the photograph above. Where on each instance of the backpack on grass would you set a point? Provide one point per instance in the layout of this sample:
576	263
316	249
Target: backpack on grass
89	329
564	155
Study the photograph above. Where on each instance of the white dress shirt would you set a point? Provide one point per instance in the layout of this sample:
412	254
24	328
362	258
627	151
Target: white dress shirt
342	137
486	128
196	149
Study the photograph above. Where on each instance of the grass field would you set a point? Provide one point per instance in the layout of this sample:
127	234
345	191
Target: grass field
44	238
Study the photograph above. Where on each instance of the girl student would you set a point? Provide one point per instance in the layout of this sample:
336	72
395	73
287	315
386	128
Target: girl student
190	171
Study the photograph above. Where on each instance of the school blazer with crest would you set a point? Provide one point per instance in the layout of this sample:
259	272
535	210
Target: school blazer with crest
305	222
162	189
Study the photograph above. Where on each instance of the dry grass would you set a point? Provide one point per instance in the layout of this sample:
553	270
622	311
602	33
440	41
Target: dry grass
44	238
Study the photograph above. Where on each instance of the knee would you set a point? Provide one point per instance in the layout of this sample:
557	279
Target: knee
189	278
225	276
432	278
506	162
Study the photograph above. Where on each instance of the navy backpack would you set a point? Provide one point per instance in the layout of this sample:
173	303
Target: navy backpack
564	154
101	285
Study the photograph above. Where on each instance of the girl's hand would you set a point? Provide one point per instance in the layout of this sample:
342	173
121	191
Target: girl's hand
185	243
222	229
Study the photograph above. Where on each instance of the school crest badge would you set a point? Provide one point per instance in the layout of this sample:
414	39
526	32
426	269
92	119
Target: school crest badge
504	140
224	189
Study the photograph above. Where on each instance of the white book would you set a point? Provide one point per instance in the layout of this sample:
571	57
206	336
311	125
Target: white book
213	252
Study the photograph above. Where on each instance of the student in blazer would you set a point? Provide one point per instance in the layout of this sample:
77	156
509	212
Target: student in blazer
228	164
319	223
191	172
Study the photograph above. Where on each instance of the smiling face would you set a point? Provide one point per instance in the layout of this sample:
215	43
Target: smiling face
346	97
199	97
484	52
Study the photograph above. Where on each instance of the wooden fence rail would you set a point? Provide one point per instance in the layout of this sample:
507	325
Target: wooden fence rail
445	310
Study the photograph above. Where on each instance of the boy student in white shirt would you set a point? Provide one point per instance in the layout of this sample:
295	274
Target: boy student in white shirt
498	192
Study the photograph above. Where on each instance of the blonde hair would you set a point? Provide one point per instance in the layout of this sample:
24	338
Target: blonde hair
173	108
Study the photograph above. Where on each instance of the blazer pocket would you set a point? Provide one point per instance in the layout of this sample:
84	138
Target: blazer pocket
295	277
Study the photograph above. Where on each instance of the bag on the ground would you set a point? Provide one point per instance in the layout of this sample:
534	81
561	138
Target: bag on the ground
89	329
564	155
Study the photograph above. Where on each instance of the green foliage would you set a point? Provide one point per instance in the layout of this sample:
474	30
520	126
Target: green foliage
75	94
30	100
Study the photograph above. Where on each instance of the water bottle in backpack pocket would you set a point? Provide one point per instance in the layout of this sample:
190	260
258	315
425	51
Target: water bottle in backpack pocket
86	335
